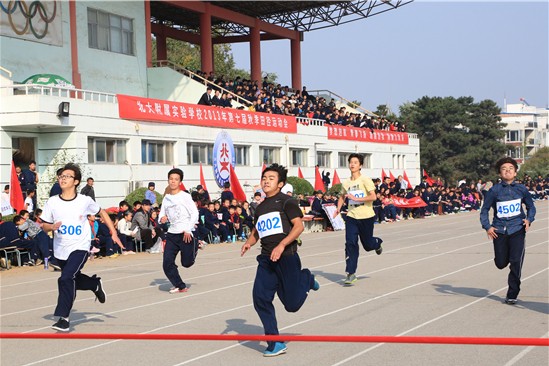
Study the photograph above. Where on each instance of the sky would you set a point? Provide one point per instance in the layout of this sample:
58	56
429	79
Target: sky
494	50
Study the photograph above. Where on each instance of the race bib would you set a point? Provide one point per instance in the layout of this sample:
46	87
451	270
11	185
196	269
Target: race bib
357	194
70	229
269	224
508	208
220	216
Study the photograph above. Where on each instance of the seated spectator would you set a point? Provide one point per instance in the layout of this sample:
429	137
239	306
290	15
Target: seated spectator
9	237
145	232
235	225
101	241
34	232
125	233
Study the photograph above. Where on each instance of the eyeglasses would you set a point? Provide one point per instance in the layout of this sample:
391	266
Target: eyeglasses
65	177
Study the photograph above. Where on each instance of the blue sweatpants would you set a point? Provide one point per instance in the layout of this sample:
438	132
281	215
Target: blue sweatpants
363	228
72	279
509	250
285	278
175	245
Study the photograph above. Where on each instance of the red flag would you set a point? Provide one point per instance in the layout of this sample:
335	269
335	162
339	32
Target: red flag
236	188
319	185
405	177
429	180
299	173
182	186
391	176
413	202
383	175
16	194
335	179
202	180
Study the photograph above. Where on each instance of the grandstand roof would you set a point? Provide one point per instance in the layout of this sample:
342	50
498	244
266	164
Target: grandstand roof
295	15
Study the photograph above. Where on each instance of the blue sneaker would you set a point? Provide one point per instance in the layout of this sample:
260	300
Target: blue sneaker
316	286
279	348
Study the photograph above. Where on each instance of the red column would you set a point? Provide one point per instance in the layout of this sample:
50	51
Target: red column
161	49
76	78
206	55
255	52
296	62
148	33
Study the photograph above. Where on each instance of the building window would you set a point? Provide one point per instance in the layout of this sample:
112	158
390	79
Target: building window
102	150
200	153
514	136
299	157
241	155
323	159
343	160
269	155
109	32
515	153
156	152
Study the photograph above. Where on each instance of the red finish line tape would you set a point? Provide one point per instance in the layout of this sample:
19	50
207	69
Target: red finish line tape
287	338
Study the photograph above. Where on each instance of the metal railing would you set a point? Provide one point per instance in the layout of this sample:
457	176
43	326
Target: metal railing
6	71
182	70
341	99
64	92
310	121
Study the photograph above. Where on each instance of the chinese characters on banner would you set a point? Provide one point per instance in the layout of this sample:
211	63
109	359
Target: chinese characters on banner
366	135
164	111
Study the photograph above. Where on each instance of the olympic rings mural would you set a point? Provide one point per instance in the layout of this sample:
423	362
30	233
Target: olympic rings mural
36	13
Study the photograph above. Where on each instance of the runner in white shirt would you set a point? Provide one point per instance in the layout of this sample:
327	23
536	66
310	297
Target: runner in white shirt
66	215
180	210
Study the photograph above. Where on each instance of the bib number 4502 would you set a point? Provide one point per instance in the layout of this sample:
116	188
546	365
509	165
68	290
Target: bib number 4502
70	230
508	208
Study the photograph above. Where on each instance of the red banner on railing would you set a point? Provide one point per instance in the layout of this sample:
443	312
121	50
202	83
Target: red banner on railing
413	202
366	135
165	111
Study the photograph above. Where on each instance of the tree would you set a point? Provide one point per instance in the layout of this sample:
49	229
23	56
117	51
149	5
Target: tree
188	56
538	164
458	137
383	110
355	104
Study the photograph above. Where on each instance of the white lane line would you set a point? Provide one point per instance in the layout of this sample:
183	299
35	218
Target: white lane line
523	353
435	319
240	307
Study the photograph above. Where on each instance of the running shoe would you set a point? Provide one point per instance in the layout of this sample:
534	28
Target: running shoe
62	325
279	348
379	250
100	294
511	301
351	279
176	290
316	286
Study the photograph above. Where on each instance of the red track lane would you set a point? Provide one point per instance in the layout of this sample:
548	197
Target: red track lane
292	338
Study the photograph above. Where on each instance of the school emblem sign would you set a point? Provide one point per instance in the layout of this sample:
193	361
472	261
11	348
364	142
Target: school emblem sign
223	155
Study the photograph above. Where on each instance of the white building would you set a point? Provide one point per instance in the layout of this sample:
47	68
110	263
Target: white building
123	153
527	130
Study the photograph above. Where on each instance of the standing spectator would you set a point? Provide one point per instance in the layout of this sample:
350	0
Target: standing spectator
227	194
88	189
359	222
278	225
66	214
56	188
510	223
253	205
150	193
206	98
326	180
33	177
29	204
179	209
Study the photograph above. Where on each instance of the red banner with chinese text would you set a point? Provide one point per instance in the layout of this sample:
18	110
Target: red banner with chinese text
165	111
366	135
413	202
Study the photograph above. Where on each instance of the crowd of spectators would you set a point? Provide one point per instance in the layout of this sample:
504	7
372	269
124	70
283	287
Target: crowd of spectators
268	97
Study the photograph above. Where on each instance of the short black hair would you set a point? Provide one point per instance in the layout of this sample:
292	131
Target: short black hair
75	169
123	203
360	158
178	172
17	218
281	170
227	185
7	186
506	160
